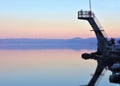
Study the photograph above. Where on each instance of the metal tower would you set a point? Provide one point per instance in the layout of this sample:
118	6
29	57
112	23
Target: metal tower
107	55
91	18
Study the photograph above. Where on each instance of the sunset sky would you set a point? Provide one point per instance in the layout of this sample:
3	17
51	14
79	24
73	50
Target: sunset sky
56	18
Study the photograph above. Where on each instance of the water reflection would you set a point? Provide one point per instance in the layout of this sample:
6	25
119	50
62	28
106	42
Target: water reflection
46	68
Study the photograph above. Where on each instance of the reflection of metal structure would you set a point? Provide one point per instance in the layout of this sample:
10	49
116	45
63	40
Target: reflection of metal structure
107	54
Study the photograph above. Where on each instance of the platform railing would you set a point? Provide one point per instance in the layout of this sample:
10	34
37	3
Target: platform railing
85	14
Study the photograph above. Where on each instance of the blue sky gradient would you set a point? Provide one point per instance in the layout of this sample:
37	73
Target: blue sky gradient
61	13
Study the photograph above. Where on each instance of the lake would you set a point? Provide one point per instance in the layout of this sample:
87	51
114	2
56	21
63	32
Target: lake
53	67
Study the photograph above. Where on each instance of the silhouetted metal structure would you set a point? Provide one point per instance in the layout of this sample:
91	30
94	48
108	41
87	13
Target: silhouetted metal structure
107	54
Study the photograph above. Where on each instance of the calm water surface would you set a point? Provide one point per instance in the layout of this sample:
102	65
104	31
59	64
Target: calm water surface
47	68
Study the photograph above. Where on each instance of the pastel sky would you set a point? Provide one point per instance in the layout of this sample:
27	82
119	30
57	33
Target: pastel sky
55	18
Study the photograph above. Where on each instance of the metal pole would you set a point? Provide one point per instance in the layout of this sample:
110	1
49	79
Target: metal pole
90	5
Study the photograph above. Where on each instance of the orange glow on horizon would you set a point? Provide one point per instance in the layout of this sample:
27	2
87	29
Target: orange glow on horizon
35	28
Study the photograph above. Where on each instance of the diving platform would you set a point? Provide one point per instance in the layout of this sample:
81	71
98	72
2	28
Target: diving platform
85	15
96	26
107	54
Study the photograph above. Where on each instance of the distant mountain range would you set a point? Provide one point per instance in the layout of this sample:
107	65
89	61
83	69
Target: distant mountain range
75	43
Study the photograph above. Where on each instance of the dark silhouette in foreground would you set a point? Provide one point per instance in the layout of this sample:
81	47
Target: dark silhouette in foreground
107	54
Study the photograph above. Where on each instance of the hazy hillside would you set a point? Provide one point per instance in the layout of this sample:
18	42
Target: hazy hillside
75	43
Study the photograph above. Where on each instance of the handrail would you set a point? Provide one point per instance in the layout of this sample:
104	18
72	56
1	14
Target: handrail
85	14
